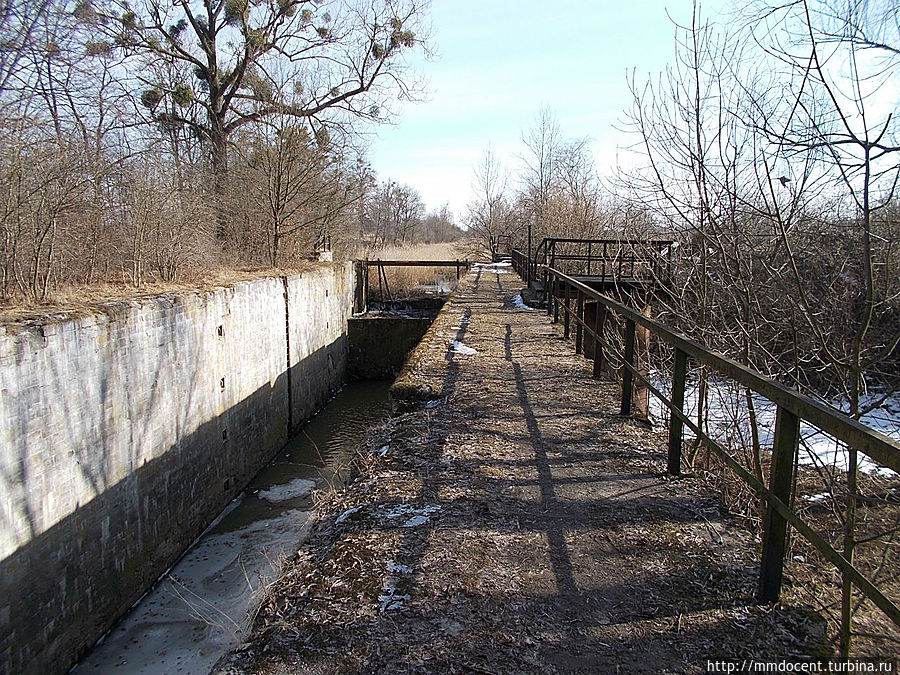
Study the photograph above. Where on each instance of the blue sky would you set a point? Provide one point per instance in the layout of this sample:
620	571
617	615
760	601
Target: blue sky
498	62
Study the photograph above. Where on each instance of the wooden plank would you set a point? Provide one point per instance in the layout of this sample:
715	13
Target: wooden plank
781	480
676	427
599	324
627	371
579	322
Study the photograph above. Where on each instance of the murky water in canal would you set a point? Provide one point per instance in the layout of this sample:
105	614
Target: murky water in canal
200	609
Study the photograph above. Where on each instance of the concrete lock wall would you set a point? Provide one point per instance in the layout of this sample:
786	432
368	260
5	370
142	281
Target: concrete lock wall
124	433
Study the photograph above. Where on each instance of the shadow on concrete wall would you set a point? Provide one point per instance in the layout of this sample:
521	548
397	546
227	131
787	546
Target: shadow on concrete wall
66	587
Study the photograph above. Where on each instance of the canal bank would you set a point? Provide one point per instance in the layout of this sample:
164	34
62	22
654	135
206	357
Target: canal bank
202	607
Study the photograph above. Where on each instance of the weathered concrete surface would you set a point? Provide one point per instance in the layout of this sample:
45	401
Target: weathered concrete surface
123	434
511	522
379	345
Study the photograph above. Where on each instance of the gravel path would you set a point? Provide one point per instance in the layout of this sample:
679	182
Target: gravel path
512	522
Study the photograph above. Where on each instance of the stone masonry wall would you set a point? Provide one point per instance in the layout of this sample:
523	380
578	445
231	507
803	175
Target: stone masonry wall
124	433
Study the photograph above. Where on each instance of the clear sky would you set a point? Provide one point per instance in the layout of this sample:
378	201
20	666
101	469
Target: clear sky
499	61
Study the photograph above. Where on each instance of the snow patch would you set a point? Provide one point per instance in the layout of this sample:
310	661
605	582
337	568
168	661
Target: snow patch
518	302
729	423
502	267
346	514
414	517
458	347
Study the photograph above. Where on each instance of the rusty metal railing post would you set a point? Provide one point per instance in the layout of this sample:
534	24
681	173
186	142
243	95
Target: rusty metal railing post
599	323
566	317
579	322
676	425
626	372
781	480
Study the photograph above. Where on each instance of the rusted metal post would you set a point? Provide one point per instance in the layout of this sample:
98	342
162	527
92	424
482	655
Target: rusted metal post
676	426
626	372
599	323
579	323
566	318
781	480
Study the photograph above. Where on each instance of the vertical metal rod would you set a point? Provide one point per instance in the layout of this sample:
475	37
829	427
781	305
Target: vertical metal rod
387	288
549	288
605	254
380	287
599	323
457	269
579	324
365	302
676	426
566	317
556	283
551	246
781	480
626	373
589	259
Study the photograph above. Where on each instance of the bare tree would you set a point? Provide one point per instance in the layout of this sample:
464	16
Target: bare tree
299	186
489	215
542	148
344	59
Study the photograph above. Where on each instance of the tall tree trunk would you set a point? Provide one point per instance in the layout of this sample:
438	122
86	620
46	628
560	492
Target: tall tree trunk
219	157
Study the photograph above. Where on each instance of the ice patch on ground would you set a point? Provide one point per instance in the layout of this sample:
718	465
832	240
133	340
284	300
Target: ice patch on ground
518	302
459	348
299	487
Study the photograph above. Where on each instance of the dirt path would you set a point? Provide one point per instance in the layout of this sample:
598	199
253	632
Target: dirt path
517	525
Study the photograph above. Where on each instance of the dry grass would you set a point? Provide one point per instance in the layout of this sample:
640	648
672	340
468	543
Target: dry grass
408	282
810	579
74	301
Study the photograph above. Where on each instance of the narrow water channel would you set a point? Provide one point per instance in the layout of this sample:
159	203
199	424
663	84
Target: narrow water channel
199	610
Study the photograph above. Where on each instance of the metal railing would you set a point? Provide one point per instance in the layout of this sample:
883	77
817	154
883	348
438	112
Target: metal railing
791	408
612	260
